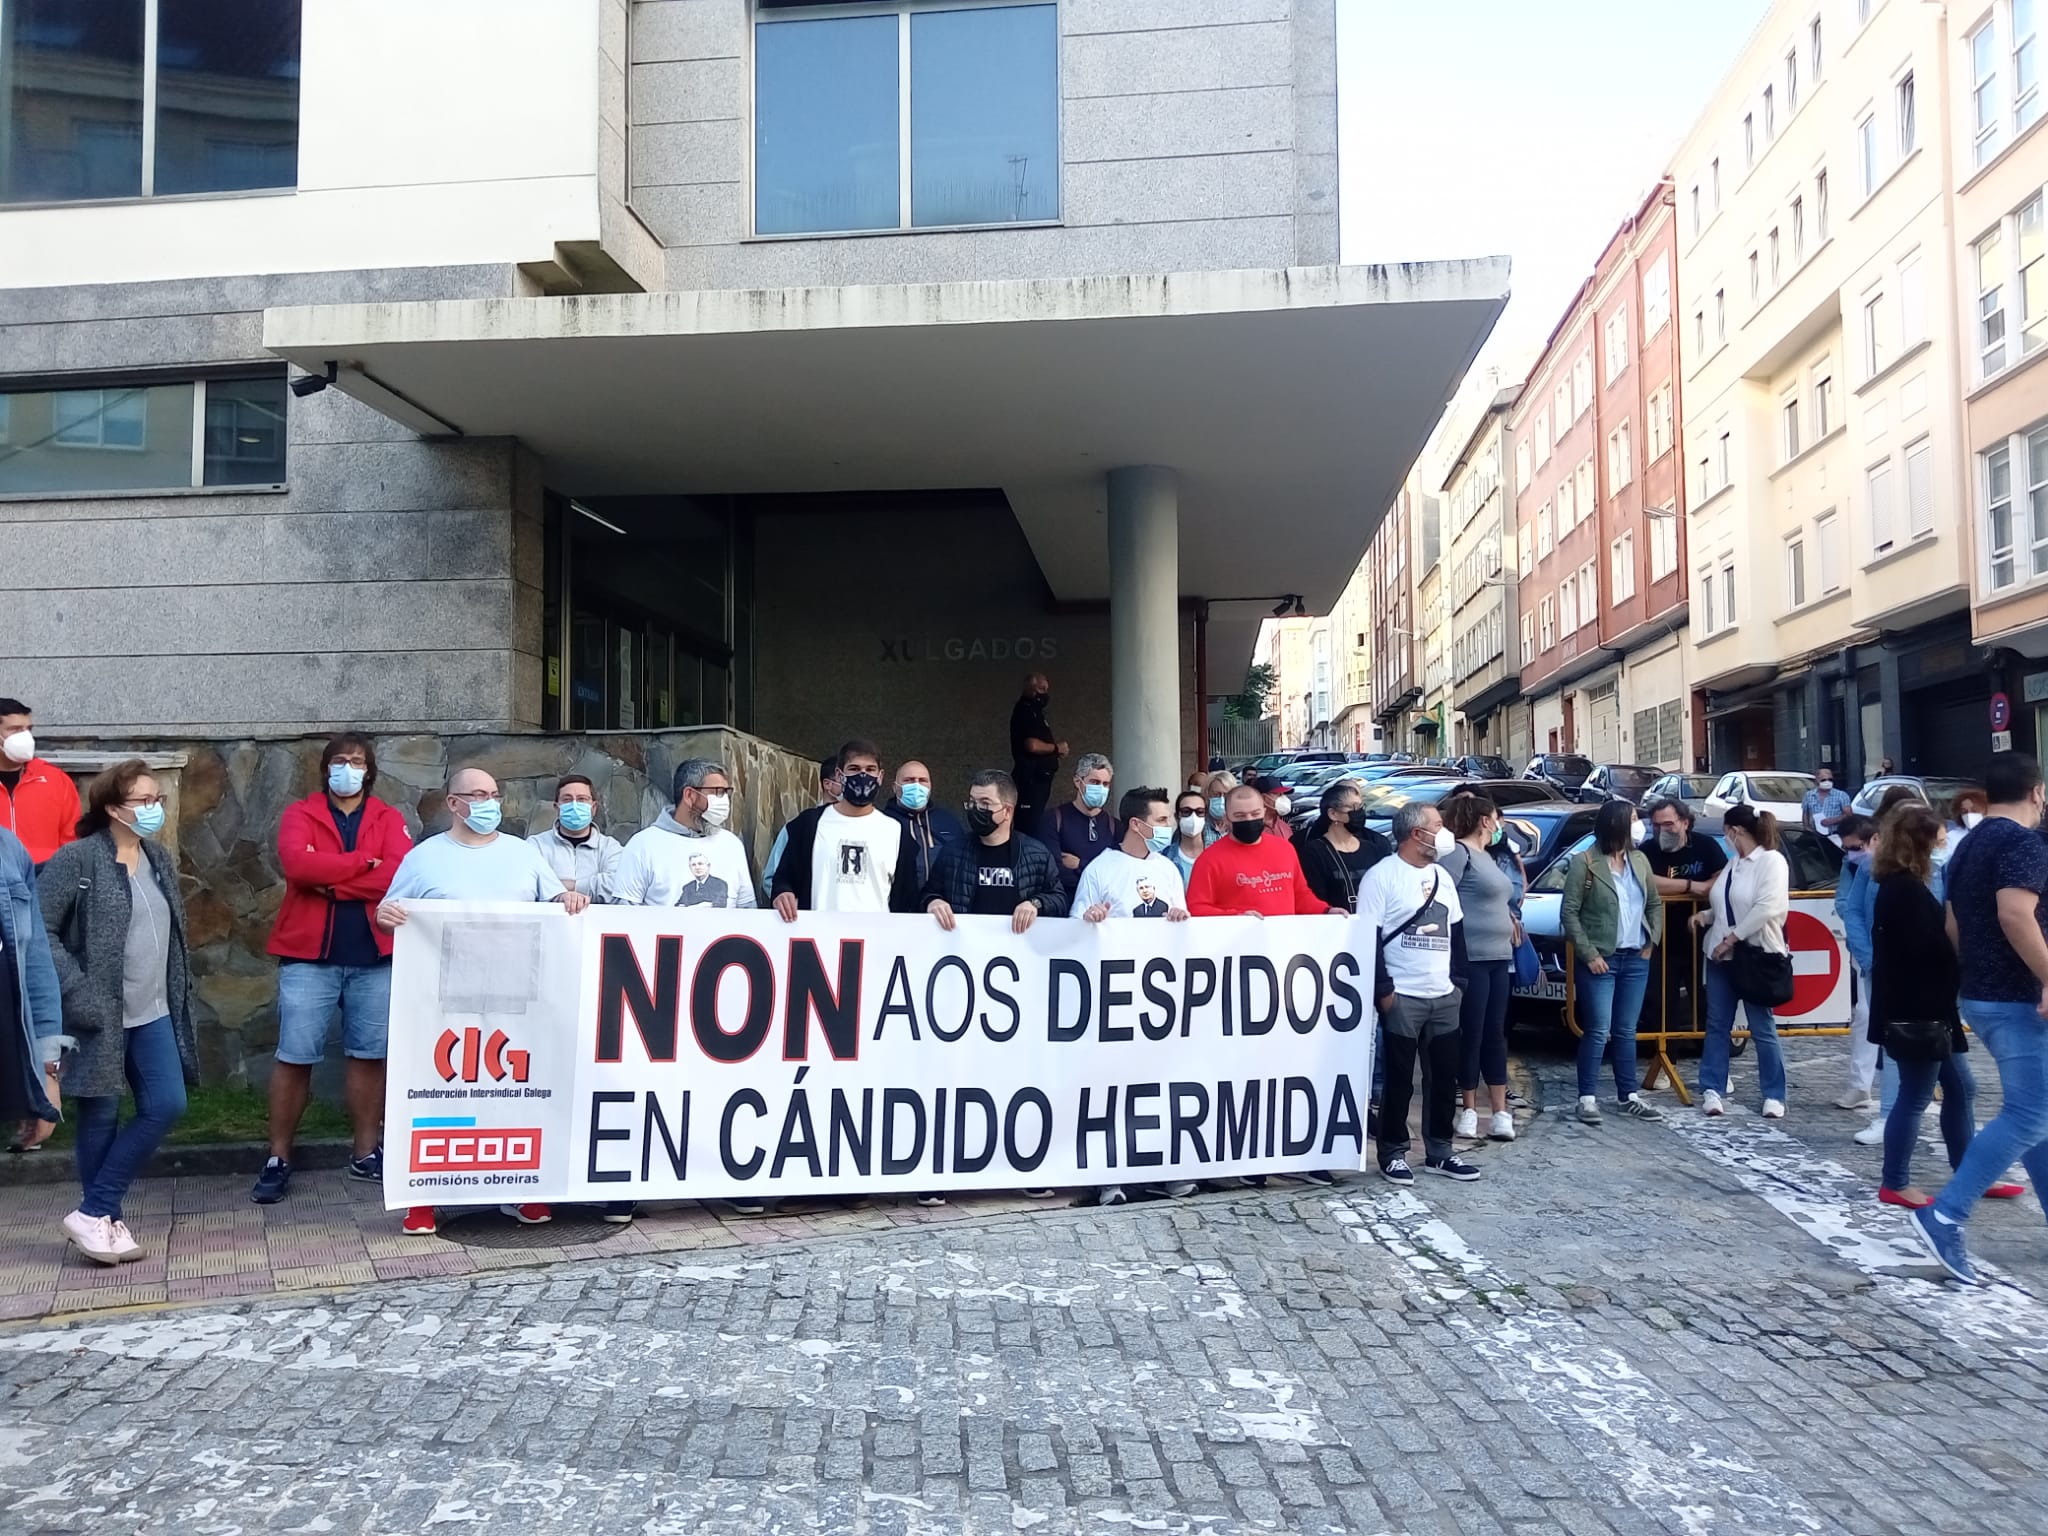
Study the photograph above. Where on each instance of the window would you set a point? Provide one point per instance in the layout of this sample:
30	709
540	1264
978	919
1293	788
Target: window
1714	174
1770	114
1998	514
1656	298
1823	399
1991	303
1728	594
1792	82
1528	640
1620	462
1616	344
1544	539
1542	437
1568	606
1567	508
141	436
1985	120
1798	230
1722	460
75	83
1756	277
1866	153
1697	223
2032	285
1748	139
6	414
1912	301
1919	490
1699	330
1549	616
1589	594
1827	530
1875	355
919	119
1902	94
1795	572
1663	542
1863	9
2017	514
1561	405
1621	573
1586	492
1814	56
1776	264
2037	495
1659	409
1524	552
1788	439
2026	65
1878	487
1582	384
1708	612
1720	314
1521	463
1820	206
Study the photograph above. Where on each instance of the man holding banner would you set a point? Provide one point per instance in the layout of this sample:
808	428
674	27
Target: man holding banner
474	861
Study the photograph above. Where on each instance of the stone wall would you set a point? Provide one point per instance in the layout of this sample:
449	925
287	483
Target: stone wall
227	797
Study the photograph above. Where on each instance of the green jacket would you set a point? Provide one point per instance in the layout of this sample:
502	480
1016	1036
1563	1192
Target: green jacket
1592	909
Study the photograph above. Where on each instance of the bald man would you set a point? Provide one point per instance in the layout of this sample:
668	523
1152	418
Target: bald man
1035	754
932	826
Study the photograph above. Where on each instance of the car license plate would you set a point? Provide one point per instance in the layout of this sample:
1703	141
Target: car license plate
1549	990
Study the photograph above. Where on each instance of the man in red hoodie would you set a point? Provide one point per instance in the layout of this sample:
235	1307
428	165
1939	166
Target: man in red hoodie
338	849
38	801
1251	870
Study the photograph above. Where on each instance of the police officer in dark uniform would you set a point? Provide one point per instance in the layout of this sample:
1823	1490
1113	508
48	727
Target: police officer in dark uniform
1035	754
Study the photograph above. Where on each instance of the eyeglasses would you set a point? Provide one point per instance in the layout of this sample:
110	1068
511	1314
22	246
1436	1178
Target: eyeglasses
473	796
140	801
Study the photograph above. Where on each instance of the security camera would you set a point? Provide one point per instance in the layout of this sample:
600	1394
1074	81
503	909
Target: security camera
312	383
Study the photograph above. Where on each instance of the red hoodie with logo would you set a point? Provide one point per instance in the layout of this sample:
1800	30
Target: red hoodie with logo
42	809
1231	878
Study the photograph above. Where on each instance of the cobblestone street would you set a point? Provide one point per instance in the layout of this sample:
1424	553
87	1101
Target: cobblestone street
1690	1328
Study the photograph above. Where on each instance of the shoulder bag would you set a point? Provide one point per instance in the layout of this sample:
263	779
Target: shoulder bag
1760	975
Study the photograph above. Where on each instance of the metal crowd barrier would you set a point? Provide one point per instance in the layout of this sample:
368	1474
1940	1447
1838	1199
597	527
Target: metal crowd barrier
1674	999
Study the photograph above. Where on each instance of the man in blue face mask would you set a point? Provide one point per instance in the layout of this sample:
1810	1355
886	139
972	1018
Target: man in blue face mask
933	826
575	849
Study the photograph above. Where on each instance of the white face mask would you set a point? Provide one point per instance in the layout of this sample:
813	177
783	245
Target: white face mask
717	808
18	747
1635	834
1444	841
1282	805
1972	818
1190	825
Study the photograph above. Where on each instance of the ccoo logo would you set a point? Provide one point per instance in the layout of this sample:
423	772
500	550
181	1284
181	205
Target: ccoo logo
470	1056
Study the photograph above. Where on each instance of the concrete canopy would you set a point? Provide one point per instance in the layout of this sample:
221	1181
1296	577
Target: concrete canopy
1290	402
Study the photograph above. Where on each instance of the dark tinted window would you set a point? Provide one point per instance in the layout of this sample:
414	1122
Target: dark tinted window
245	431
1516	794
71	76
227	113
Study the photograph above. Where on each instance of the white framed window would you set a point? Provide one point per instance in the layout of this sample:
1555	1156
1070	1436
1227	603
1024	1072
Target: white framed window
2030	283
1919	489
1788	429
1721	460
1582	383
1987	122
1657	429
1616	344
1620	459
1866	153
1756	276
1699	330
1714	177
1795	571
1545	540
1876	354
1827	536
1798	230
1820	205
1823	399
1770	114
1791	82
1907	115
1587	504
1912	300
1568	605
1709	612
1561	404
1521	463
1864	8
2026	63
1663	542
1748	139
1697	222
1549	614
1991	303
1777	256
1525	557
2012	288
1999	544
2015	489
1728	593
1877	483
1528	640
1815	57
1542	437
1720	314
1621	573
1656	298
1567	507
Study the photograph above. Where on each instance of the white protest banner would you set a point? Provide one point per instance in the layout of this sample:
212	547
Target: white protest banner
664	1053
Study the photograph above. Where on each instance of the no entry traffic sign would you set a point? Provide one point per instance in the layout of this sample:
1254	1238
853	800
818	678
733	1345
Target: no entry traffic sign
1818	969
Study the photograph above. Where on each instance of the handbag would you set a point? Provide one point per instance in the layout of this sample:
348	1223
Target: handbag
1528	964
1760	976
1919	1040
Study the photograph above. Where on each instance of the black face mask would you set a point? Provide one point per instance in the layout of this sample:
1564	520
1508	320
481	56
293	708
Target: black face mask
1041	699
981	821
1247	831
860	788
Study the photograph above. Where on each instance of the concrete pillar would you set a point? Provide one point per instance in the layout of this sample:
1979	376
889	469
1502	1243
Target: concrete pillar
1144	627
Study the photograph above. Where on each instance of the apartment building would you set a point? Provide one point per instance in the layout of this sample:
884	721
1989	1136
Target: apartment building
1396	675
1819	400
586	365
1999	163
1485	673
1598	511
1352	726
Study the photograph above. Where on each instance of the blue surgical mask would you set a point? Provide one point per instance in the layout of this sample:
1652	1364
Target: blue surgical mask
483	817
574	815
1158	838
1216	807
149	820
1095	796
345	780
915	797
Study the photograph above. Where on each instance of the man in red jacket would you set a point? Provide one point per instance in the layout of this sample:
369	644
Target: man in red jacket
38	801
1251	870
339	850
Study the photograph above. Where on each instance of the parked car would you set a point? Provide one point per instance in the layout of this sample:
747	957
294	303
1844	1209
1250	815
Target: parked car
1481	765
1280	762
1543	829
1616	781
1389	795
1939	793
1782	794
1691	788
1564	769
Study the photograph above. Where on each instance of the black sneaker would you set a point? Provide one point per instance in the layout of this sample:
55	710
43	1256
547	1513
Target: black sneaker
1395	1170
1111	1194
1317	1176
369	1168
747	1207
273	1182
1039	1194
620	1212
1453	1168
1640	1109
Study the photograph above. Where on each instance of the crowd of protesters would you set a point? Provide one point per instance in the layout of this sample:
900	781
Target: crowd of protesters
1944	924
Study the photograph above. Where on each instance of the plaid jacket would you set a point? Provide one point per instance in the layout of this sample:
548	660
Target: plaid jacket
1037	873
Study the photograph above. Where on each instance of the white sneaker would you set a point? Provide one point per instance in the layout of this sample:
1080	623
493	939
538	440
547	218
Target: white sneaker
1503	1127
1774	1109
1180	1189
125	1247
1871	1135
1466	1124
1710	1103
92	1236
1855	1098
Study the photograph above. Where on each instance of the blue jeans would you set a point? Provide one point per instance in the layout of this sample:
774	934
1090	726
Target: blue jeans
2018	1041
1609	1006
1916	1092
1763	1034
109	1159
1483	1024
309	992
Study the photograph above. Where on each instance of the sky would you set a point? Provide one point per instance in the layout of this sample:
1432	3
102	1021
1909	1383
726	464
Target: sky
1524	128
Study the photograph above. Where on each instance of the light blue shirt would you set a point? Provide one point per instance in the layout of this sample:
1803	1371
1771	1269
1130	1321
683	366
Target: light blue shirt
1831	803
506	868
1628	927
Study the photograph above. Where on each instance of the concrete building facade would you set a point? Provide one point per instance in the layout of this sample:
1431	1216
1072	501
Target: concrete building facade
637	382
1484	611
1396	676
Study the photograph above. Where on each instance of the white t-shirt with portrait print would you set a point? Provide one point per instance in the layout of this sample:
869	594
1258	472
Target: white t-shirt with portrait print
1393	890
1147	887
853	863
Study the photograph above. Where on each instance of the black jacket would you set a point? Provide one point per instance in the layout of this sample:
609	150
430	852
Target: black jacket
1914	974
933	828
1037	875
793	874
1324	869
